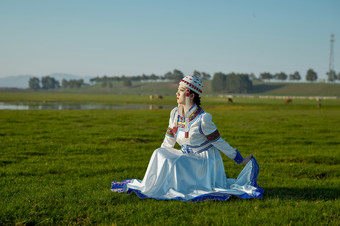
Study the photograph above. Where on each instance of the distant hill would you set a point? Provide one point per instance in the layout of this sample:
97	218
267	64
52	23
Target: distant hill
21	81
18	81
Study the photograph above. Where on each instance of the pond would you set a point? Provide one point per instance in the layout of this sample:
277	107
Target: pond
65	106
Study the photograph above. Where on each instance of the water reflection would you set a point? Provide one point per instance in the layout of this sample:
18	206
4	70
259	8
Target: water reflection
63	106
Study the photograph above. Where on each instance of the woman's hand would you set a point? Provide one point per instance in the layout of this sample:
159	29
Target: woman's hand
247	159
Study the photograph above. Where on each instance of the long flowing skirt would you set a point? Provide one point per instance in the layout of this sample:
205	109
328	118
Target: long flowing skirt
172	174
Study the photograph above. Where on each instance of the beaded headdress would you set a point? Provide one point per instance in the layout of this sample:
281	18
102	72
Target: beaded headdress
193	83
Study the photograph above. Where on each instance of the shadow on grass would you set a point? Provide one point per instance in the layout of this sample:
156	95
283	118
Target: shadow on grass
308	194
261	88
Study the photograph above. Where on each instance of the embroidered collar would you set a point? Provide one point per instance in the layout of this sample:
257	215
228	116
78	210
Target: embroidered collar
193	112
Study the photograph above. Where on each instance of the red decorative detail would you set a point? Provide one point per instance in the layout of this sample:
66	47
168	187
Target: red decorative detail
174	130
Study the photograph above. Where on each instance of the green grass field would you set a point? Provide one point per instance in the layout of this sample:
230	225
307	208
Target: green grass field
56	167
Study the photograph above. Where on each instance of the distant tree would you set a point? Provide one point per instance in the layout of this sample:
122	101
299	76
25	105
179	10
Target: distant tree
144	77
71	83
34	83
201	75
104	84
94	80
205	76
238	83
311	75
127	82
295	76
219	82
339	76
137	78
111	85
331	76
266	76
154	77
56	84
116	79
178	75
64	83
169	75
49	83
105	80
197	74
77	83
252	77
280	76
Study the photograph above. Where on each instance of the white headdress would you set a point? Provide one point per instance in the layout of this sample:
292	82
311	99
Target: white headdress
193	83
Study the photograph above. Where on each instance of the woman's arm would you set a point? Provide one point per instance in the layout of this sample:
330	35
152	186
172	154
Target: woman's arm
247	159
210	131
169	139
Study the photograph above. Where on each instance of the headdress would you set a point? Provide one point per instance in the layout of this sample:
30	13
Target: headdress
193	83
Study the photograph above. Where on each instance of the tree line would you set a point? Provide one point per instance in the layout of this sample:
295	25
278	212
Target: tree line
175	75
227	83
232	83
48	82
332	76
311	76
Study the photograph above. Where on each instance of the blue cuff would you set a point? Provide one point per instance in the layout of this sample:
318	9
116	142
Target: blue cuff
238	158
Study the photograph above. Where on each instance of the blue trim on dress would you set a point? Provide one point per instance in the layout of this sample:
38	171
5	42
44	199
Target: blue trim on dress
257	193
200	126
238	158
204	149
254	174
198	146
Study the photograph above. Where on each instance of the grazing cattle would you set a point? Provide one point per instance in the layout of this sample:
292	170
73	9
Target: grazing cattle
289	100
230	100
318	102
159	97
151	97
152	107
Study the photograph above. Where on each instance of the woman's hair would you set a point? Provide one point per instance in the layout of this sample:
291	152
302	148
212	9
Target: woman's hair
197	98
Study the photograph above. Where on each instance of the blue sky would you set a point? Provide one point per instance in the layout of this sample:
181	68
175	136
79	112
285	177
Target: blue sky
130	37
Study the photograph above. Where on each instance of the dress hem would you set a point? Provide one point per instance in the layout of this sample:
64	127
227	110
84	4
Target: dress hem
221	196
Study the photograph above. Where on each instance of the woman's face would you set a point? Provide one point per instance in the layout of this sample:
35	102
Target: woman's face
181	94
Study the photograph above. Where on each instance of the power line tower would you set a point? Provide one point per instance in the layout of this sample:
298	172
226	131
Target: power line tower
331	73
331	54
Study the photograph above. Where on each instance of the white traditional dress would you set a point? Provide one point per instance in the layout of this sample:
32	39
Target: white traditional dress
195	172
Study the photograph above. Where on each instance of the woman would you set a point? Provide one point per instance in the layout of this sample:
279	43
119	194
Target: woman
195	172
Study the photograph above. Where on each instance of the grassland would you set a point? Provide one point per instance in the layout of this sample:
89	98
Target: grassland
56	166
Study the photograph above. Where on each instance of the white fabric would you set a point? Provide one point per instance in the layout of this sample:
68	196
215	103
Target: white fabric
171	173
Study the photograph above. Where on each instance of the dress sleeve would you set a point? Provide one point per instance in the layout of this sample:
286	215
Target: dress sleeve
169	139
209	129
